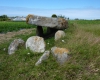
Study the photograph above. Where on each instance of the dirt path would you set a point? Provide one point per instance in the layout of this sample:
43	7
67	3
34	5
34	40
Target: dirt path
9	35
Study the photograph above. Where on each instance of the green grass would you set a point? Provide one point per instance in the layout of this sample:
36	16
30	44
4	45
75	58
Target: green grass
83	41
13	26
92	26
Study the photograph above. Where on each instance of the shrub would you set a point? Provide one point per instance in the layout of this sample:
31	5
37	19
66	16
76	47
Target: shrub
4	18
54	15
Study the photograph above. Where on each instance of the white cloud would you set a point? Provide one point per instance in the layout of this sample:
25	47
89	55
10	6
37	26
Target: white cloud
71	13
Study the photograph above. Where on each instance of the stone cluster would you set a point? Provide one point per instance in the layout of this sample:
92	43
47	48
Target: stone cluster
37	43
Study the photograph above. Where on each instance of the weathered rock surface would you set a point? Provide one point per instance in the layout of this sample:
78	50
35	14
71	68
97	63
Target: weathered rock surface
57	23
59	34
61	54
14	45
35	44
43	57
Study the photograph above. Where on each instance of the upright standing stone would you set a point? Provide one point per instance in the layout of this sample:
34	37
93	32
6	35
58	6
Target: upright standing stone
39	31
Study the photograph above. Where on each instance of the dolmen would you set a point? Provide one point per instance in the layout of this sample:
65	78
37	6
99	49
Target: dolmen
52	24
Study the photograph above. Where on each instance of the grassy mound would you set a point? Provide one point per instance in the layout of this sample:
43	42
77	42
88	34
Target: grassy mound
83	41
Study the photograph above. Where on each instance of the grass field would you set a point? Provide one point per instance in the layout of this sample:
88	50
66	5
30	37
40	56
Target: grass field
82	39
13	26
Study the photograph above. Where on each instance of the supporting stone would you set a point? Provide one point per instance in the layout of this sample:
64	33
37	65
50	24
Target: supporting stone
39	31
50	32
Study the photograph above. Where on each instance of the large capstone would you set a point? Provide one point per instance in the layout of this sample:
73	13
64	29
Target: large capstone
57	23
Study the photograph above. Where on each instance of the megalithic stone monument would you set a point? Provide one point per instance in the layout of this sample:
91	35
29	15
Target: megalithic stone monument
52	24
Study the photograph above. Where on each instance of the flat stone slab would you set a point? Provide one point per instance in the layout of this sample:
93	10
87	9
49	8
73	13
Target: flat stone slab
43	57
57	23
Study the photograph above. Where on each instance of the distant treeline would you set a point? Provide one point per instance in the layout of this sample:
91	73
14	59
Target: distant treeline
4	18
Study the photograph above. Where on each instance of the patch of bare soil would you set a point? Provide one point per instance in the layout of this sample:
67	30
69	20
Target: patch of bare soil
10	35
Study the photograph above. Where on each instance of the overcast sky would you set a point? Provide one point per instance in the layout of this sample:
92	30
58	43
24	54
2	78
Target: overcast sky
82	9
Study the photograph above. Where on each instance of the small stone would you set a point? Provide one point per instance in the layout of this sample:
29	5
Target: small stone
14	45
4	49
47	43
28	53
43	57
35	44
61	54
63	41
59	34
